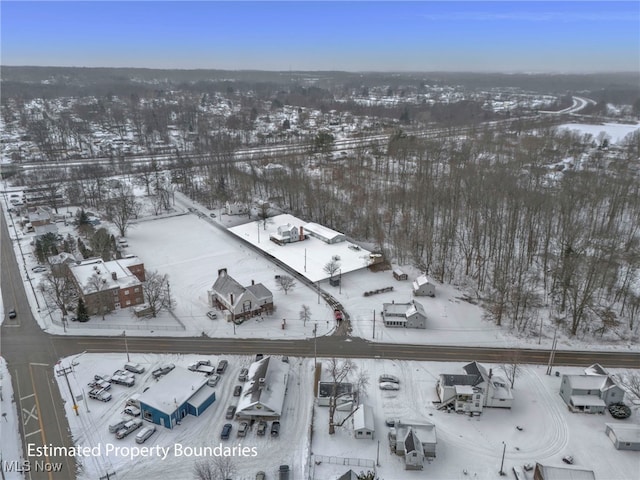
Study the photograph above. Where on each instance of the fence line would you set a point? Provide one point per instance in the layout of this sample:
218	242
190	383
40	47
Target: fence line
113	326
352	462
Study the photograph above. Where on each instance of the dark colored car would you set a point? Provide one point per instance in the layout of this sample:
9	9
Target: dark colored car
12	314
237	390
231	411
222	366
226	431
283	472
275	429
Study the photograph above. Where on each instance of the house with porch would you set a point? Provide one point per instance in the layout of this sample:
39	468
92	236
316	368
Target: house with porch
240	302
404	315
590	393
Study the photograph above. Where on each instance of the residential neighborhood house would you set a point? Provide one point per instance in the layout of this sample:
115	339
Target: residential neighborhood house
422	287
241	302
404	315
590	393
414	443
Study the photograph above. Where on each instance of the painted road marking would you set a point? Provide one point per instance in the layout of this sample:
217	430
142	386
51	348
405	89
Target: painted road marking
31	433
30	414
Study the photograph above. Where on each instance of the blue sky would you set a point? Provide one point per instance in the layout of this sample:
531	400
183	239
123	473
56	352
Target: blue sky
507	36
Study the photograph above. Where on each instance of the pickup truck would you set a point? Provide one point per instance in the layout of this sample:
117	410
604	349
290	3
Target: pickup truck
123	380
203	368
100	394
163	370
130	426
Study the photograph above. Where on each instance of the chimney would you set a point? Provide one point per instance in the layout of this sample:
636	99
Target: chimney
490	372
301	233
231	298
114	275
222	271
253	282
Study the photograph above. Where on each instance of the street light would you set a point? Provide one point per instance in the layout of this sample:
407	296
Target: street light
504	449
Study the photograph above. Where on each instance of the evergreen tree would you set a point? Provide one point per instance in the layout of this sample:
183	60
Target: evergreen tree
82	314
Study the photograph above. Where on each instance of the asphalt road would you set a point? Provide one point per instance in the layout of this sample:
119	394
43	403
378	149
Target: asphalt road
31	355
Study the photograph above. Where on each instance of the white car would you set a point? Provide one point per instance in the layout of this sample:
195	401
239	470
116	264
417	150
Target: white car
131	410
213	380
212	315
389	386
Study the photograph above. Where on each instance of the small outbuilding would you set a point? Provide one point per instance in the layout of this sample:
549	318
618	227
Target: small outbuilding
623	436
363	424
423	287
400	275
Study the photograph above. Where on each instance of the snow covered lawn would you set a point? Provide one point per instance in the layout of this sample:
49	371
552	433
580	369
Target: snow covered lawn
9	432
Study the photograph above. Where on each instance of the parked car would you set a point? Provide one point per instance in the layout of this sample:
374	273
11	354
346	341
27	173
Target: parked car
213	380
134	367
226	431
117	425
162	370
283	472
212	315
262	428
261	475
134	400
389	386
130	426
259	356
388	378
237	390
131	410
100	384
12	313
243	429
39	269
275	429
222	366
568	459
244	374
106	378
231	411
285	359
124	373
145	433
123	380
100	394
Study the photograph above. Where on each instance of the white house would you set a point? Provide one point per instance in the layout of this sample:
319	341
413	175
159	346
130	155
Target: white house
241	302
264	391
287	234
235	208
589	393
423	287
404	315
495	389
363	424
414	443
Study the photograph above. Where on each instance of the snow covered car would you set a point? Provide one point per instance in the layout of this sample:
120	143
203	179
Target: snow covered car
130	426
388	378
134	367
100	384
244	375
163	370
243	429
237	390
389	386
131	410
212	315
262	428
213	380
145	433
99	394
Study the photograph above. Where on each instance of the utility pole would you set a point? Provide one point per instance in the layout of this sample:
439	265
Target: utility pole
126	345
374	323
65	371
504	449
315	346
552	354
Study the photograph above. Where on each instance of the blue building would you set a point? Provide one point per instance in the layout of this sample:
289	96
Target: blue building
176	395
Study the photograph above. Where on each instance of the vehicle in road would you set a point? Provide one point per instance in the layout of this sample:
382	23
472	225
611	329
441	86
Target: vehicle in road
134	367
389	386
283	472
99	394
231	411
226	431
212	215
129	427
131	410
145	433
243	375
262	428
222	366
275	429
237	390
212	315
12	313
163	370
243	429
213	380
388	378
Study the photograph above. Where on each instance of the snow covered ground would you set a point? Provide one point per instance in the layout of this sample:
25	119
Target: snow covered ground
615	131
549	430
10	445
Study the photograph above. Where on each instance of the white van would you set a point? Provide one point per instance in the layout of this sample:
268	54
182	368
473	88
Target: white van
145	433
134	367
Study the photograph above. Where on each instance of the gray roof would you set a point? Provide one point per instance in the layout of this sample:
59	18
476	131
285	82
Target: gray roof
450	380
474	368
325	389
225	285
625	433
410	442
260	291
564	473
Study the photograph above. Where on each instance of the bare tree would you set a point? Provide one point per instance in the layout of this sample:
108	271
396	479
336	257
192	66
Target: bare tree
339	373
512	368
58	290
156	293
332	267
122	208
305	314
216	468
285	283
630	381
101	299
361	383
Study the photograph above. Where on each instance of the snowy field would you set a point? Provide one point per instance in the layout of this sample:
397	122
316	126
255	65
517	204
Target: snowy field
549	430
615	131
10	444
